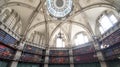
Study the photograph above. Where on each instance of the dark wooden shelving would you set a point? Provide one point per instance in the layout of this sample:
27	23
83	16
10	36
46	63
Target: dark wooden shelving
8	40
33	50
6	52
59	57
26	57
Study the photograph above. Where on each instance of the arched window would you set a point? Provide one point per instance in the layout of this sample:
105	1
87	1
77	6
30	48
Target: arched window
36	37
17	28
4	15
12	19
106	22
81	39
60	40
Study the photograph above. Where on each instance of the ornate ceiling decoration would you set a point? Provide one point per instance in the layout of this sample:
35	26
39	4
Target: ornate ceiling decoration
59	8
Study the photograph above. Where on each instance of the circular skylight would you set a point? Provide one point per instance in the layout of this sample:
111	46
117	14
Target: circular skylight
59	3
59	8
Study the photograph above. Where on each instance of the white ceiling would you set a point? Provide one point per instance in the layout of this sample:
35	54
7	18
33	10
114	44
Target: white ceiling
82	18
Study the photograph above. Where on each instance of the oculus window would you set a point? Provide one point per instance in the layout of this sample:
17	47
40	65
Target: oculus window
59	8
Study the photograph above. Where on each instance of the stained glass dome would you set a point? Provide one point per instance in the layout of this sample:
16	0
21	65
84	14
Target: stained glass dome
59	8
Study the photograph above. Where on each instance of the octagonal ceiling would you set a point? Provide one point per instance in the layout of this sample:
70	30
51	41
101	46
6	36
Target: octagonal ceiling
35	16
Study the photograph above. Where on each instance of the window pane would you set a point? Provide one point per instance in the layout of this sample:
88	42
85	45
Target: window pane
105	22
86	39
113	19
101	30
58	11
63	45
60	43
81	39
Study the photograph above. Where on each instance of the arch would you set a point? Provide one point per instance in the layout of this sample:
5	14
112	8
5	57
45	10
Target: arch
82	32
57	27
97	23
43	22
17	4
107	5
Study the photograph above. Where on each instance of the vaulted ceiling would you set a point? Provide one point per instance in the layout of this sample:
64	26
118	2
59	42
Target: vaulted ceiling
35	16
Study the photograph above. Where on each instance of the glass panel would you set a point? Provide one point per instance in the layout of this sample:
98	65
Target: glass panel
105	22
113	19
60	43
86	39
101	30
58	11
81	39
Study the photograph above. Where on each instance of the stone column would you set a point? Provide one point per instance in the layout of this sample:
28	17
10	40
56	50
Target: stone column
17	55
46	58
99	53
71	57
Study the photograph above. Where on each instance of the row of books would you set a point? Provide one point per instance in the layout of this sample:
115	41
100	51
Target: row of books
6	52
112	39
86	58
84	50
112	52
59	53
32	54
34	50
26	57
7	39
59	60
